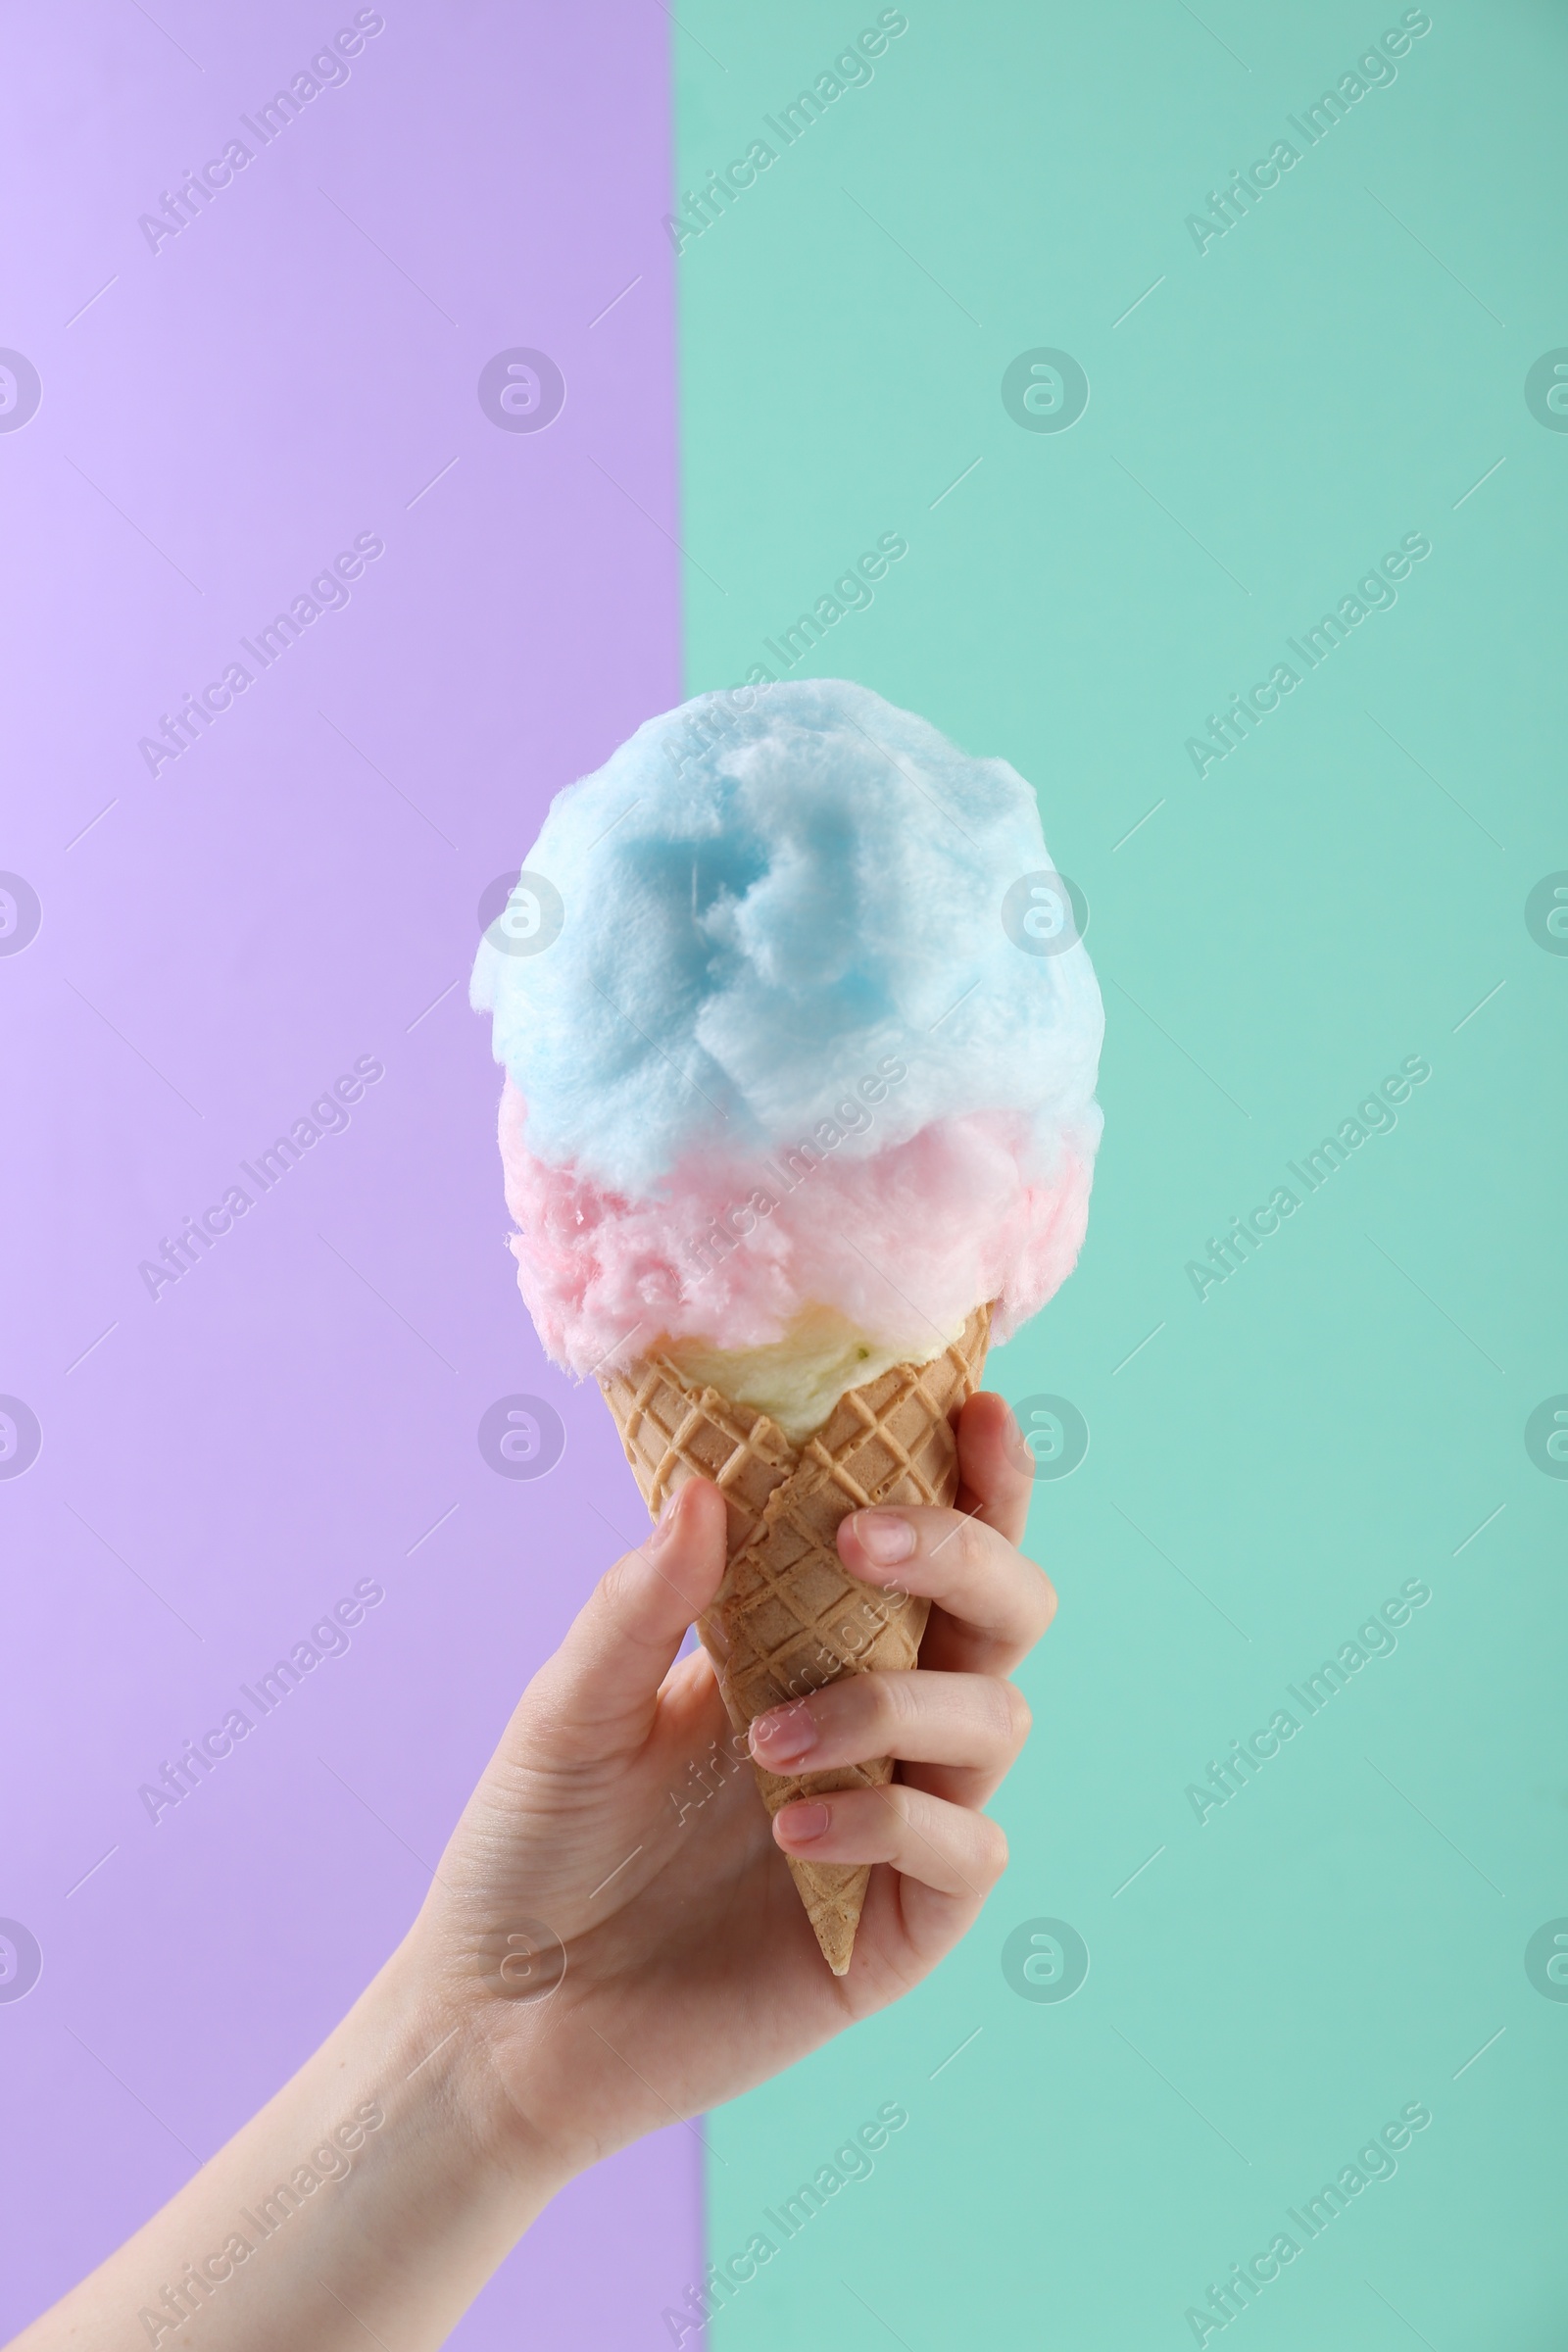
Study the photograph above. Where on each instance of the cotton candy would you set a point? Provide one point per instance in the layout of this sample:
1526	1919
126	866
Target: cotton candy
786	1048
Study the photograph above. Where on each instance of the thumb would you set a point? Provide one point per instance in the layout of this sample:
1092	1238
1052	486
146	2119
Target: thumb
602	1683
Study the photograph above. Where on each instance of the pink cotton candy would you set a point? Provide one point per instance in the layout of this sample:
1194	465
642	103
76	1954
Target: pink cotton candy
904	1242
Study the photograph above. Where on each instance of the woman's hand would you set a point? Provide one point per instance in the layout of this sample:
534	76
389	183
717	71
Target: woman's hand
613	1941
660	1960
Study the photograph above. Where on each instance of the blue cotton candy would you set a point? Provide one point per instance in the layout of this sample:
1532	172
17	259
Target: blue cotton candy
767	896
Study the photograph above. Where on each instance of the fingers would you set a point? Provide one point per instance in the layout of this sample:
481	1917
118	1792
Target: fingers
600	1688
996	1472
998	1602
973	1724
946	1847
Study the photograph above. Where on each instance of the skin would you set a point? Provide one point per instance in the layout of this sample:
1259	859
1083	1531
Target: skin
691	1972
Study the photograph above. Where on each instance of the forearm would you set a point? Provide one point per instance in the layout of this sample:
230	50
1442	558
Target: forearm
371	2193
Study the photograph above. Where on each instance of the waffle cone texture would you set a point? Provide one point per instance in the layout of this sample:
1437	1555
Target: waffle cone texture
789	1618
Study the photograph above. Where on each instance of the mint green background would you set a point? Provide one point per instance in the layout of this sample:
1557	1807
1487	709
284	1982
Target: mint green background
1283	1978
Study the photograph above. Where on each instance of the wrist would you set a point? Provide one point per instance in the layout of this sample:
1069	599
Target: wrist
459	2065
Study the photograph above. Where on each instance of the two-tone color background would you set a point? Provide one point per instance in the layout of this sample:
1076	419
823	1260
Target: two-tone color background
1362	881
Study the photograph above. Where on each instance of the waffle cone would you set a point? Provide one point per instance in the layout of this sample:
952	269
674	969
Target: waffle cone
788	1618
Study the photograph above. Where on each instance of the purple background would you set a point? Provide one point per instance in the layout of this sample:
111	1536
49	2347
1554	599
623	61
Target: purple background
218	1466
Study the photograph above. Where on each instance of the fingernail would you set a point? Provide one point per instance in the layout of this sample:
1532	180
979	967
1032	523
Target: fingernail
785	1734
664	1525
802	1823
884	1536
